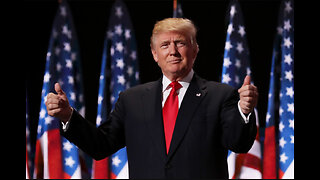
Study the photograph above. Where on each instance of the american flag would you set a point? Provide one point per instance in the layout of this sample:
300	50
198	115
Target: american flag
281	100
177	10
120	68
236	65
56	157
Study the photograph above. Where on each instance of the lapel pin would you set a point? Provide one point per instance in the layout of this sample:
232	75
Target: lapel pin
198	94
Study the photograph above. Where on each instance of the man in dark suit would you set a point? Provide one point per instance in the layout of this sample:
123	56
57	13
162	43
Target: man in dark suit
180	126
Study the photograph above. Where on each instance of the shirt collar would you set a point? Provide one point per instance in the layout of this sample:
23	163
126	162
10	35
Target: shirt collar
184	82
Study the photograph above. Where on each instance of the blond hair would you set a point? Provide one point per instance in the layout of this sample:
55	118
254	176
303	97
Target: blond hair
181	25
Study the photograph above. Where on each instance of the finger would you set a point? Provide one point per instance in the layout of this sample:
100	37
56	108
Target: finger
248	87
58	89
52	100
52	106
247	93
51	95
246	80
54	112
248	102
248	99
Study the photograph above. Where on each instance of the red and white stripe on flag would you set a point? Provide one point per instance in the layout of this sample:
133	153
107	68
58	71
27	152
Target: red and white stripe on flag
247	165
48	157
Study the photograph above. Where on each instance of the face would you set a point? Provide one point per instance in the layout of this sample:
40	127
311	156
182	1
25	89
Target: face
174	54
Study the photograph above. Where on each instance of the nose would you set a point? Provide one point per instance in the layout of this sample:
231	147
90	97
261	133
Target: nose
173	49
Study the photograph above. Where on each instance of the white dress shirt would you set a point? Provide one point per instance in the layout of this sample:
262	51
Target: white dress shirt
166	89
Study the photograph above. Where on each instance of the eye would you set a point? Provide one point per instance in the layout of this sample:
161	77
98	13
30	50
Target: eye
181	44
164	45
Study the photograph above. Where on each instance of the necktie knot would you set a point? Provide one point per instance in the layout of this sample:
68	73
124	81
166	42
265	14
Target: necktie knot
175	85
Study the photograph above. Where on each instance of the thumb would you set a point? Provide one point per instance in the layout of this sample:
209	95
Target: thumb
58	89
246	80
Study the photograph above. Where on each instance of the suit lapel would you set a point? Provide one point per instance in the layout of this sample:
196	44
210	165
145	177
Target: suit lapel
151	101
195	93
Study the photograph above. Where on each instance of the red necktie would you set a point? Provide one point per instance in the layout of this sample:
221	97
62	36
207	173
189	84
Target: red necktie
170	112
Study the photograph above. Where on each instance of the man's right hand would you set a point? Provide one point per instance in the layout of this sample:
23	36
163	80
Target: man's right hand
58	104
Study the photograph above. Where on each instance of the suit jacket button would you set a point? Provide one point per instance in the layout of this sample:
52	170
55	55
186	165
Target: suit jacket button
168	166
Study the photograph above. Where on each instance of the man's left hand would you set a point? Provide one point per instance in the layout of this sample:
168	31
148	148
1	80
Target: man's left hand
248	96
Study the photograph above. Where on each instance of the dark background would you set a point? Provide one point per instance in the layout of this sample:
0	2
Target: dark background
91	19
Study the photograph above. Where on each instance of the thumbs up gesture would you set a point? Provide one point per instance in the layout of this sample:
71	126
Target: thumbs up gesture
248	96
58	104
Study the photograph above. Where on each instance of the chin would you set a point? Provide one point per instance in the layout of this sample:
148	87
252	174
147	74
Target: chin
175	70
179	73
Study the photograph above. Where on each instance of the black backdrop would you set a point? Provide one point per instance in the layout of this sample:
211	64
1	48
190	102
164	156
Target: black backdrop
91	19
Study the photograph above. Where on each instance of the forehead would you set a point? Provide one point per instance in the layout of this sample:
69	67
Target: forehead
170	36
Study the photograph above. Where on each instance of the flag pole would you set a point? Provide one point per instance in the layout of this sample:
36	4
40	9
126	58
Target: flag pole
174	5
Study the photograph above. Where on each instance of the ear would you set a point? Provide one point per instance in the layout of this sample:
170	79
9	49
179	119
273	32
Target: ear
195	51
154	53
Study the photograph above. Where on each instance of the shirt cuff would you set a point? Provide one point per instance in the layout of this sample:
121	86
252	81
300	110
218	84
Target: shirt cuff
66	125
244	117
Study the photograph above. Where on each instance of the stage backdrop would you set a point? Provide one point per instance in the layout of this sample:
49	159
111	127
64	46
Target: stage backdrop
91	20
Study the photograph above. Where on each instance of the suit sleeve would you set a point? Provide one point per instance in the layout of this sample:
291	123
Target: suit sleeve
237	135
98	142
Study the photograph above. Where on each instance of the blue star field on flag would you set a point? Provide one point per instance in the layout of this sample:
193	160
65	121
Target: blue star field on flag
236	65
120	68
286	111
62	66
236	61
280	113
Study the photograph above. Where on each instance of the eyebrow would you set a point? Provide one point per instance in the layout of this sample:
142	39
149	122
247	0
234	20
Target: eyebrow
165	42
177	40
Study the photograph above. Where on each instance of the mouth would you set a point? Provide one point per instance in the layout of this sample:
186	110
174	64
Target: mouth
175	61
